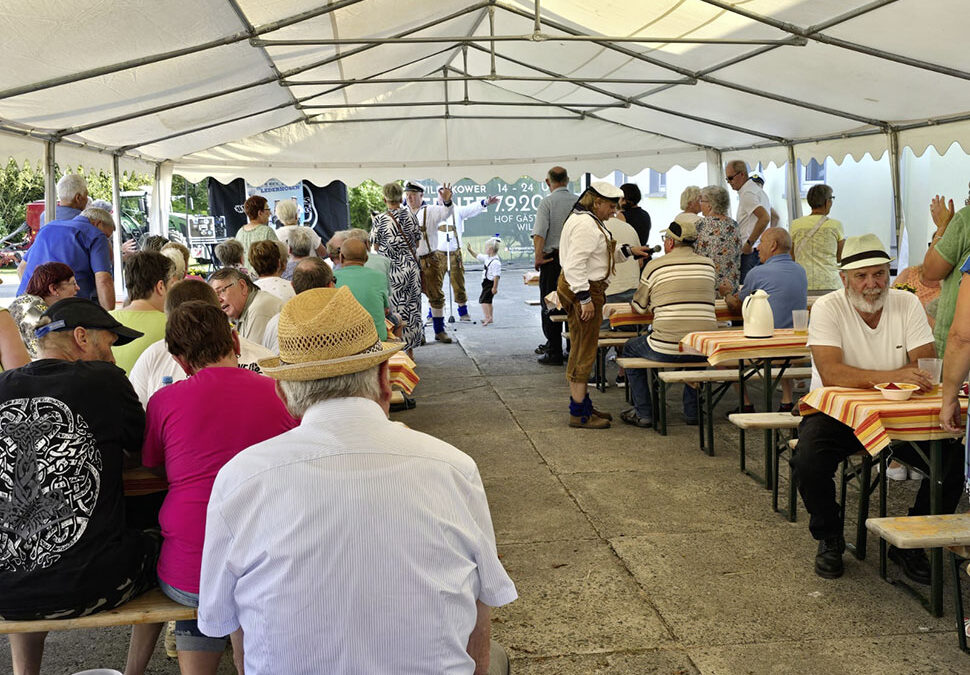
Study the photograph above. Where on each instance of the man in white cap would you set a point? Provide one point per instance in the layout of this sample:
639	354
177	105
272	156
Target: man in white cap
678	288
861	335
379	554
588	254
440	240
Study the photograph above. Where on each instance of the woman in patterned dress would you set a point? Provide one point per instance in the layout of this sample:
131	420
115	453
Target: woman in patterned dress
395	234
718	237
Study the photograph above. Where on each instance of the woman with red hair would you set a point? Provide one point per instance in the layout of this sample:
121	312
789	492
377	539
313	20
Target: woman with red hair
49	283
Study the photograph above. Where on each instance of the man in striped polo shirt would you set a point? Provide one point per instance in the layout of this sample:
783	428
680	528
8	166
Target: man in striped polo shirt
679	289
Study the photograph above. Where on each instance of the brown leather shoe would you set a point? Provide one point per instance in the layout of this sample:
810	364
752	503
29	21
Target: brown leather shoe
592	422
602	415
443	338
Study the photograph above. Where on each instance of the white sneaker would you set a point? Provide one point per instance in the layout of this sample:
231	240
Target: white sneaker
897	473
915	475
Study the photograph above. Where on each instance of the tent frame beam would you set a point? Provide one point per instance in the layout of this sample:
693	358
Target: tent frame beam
450	116
641	104
486	78
530	37
240	36
445	103
704	78
818	36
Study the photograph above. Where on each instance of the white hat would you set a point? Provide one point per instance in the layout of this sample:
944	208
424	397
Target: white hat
413	186
863	251
606	190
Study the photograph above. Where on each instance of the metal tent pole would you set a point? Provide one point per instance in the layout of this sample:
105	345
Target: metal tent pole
50	181
894	160
794	192
119	277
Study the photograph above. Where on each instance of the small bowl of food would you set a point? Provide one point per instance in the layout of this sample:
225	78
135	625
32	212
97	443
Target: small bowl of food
896	391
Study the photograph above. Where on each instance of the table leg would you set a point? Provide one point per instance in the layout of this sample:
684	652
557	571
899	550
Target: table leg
769	397
741	403
936	507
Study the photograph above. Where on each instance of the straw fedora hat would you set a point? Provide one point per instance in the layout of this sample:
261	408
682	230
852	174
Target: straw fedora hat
324	332
863	251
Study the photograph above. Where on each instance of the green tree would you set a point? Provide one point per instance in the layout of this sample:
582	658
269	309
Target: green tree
366	197
19	185
198	195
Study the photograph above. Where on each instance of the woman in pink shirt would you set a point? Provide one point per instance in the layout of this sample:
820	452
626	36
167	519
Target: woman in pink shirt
193	429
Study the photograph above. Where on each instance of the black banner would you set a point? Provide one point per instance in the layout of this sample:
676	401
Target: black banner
324	208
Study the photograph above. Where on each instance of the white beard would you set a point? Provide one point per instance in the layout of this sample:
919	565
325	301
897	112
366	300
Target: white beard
867	303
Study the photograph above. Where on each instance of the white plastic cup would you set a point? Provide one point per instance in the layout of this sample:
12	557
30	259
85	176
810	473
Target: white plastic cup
799	319
932	366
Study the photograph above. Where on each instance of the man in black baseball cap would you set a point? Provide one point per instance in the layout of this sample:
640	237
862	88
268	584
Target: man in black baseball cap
70	418
73	326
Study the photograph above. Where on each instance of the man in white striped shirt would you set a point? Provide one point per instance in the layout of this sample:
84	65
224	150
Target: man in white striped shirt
679	289
350	544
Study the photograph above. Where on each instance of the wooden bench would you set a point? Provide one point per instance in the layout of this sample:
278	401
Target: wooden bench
150	607
708	397
776	422
656	387
949	531
401	401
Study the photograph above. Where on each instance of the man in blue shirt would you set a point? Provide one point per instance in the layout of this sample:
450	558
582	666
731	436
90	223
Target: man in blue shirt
786	284
79	243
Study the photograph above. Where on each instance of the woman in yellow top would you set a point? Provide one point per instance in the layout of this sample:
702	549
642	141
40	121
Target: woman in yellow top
257	229
817	241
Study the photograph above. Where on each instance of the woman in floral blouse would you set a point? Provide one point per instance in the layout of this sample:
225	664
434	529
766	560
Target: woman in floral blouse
718	237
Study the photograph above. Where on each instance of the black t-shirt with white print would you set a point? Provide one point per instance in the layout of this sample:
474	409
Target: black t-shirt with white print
63	541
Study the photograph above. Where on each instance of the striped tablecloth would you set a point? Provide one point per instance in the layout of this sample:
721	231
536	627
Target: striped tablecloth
530	278
875	420
730	345
402	374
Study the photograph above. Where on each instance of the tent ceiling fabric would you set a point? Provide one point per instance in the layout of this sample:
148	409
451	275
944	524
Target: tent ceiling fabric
282	90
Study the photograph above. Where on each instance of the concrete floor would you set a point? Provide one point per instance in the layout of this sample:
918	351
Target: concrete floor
632	552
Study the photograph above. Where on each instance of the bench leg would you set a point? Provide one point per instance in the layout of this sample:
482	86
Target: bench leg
865	479
792	492
883	484
661	405
958	601
769	396
709	419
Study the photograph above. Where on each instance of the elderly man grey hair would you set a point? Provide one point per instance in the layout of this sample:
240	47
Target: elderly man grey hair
300	242
299	396
70	186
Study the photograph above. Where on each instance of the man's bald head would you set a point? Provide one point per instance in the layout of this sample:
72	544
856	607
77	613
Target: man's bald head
779	236
353	252
557	176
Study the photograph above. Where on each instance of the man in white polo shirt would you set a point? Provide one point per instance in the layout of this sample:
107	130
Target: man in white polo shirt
379	555
862	335
754	212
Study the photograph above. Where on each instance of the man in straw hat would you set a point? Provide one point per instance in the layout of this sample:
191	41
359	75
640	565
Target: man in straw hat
862	335
340	521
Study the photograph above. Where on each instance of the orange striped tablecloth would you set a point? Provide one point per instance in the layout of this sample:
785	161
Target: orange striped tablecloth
875	420
531	278
402	372
731	345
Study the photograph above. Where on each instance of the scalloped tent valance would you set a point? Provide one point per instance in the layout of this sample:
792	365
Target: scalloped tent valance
355	89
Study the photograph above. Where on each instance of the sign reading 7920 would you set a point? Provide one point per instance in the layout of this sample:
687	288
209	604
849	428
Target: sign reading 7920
511	217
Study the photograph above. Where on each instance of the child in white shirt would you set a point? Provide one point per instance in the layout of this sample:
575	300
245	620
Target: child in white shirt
490	277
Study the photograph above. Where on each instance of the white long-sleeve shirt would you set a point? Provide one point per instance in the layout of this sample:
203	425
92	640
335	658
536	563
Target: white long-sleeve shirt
583	252
447	241
427	217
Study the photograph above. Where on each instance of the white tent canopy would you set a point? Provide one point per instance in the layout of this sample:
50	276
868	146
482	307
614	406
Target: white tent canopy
355	89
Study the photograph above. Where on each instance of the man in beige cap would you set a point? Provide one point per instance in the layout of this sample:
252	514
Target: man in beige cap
862	335
373	541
